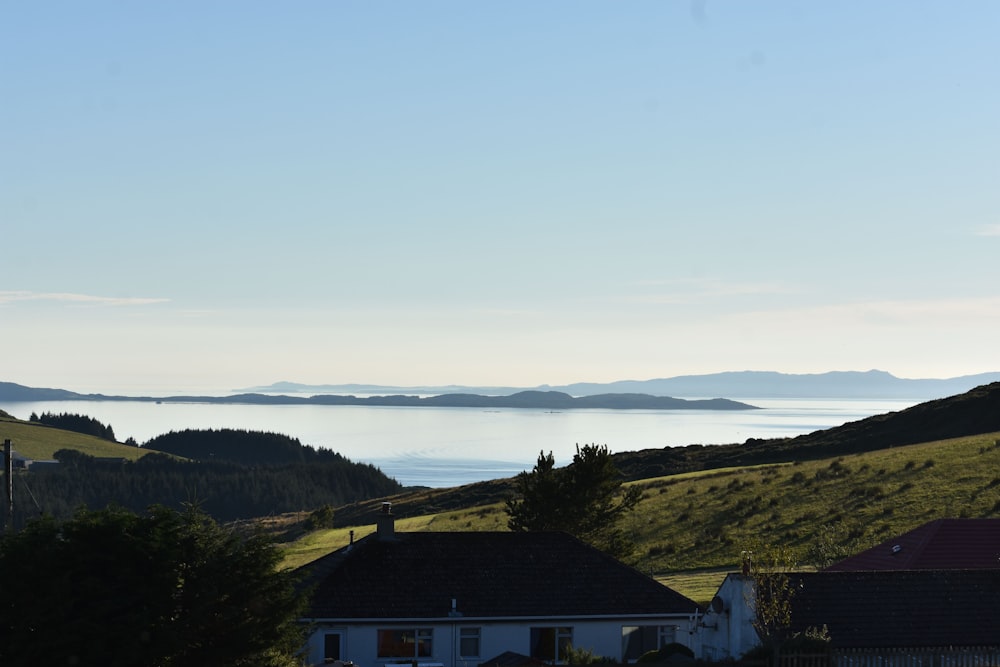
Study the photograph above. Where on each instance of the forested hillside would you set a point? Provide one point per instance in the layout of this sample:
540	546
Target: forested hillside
240	446
237	475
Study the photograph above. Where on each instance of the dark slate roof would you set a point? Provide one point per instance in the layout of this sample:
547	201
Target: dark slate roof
945	544
511	659
488	574
899	609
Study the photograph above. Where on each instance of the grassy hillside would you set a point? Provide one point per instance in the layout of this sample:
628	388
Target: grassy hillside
974	412
822	510
38	441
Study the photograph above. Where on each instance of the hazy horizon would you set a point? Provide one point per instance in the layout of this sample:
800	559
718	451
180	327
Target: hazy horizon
155	390
232	194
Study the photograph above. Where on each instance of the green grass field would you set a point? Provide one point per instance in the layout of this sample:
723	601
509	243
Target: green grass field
41	442
690	529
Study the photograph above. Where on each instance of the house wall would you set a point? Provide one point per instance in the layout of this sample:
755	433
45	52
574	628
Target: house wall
358	643
729	632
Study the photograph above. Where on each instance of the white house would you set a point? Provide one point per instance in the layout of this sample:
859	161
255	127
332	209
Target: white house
459	599
726	630
890	617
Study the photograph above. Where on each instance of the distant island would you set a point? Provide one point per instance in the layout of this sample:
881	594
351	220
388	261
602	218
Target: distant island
548	400
685	392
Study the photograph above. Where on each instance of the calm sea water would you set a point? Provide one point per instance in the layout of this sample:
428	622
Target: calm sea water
442	447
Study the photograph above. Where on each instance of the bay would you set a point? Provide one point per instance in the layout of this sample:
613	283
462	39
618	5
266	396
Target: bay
444	447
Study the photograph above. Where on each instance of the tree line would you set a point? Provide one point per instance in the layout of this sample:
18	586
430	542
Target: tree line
76	423
228	474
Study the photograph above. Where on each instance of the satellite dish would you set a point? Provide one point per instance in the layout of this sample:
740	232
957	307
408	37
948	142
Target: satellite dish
718	605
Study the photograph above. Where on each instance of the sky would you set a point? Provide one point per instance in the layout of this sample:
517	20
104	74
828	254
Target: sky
198	196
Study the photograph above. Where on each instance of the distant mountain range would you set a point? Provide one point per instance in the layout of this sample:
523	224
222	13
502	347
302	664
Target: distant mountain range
694	392
740	384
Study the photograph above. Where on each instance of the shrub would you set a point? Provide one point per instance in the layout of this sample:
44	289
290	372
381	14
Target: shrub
662	550
666	652
320	518
584	656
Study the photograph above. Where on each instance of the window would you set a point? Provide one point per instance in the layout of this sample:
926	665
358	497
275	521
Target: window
405	643
468	642
639	639
550	643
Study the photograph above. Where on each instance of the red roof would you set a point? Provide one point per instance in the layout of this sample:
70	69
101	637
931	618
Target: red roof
899	609
945	544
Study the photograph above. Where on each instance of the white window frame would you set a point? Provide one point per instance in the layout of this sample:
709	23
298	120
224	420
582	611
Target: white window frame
665	634
470	633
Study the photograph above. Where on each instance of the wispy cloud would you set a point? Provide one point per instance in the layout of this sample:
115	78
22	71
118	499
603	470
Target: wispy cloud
917	313
690	290
988	230
71	298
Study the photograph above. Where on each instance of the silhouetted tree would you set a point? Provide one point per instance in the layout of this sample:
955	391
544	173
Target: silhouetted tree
586	499
165	588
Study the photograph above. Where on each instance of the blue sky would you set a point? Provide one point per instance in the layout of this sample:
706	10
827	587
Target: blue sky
211	195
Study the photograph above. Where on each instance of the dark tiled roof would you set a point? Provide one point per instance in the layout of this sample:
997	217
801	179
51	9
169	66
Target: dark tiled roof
511	659
945	544
499	574
900	609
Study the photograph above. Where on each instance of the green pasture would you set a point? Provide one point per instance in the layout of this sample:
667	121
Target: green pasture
692	527
37	441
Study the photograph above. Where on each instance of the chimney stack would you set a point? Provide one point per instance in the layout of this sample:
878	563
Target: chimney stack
385	523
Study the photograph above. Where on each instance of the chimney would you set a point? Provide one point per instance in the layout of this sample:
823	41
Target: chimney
385	523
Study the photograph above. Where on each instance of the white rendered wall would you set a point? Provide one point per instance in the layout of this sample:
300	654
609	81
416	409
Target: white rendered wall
358	643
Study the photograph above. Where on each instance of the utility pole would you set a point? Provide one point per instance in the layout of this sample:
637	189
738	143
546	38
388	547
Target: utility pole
8	468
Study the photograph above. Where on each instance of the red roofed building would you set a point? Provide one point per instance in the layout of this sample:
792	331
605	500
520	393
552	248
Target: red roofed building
929	595
945	544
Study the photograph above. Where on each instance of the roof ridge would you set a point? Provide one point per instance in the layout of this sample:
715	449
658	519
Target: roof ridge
925	535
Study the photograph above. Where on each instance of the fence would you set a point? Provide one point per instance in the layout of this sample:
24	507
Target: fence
973	656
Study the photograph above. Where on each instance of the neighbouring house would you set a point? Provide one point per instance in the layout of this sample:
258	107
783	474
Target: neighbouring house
944	544
456	599
726	630
939	602
882	614
21	462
